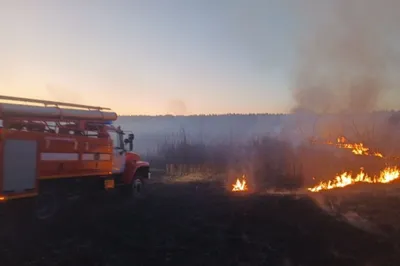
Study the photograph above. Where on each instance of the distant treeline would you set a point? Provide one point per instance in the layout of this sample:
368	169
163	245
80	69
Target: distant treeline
242	114
154	131
205	115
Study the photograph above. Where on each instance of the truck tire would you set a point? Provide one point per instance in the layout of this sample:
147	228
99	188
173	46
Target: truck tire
46	206
137	187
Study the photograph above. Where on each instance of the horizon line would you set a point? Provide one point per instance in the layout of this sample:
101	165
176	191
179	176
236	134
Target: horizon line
249	114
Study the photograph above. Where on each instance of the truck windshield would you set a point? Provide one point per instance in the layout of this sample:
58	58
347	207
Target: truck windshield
116	139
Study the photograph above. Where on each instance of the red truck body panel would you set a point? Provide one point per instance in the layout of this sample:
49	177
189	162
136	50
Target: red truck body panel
50	143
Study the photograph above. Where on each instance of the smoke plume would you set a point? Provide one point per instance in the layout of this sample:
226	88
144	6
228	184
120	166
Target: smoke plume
177	107
346	60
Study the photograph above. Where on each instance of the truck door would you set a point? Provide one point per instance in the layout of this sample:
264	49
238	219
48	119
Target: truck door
19	163
118	152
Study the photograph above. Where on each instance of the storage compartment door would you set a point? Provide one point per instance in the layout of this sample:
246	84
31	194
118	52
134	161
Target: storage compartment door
19	165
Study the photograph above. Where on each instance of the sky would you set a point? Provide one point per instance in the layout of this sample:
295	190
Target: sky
153	57
149	57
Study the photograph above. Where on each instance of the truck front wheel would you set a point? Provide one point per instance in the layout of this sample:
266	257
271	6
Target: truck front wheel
137	187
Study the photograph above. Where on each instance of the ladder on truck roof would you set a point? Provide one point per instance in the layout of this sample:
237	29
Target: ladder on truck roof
52	110
57	104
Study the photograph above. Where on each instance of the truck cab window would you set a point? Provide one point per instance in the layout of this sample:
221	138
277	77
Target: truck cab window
116	138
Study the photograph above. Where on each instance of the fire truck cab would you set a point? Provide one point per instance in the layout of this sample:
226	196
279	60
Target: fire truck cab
48	152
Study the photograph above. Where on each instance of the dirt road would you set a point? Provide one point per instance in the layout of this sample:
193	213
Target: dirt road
199	224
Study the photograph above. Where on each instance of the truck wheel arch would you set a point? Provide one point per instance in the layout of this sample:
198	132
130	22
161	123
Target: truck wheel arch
141	172
138	180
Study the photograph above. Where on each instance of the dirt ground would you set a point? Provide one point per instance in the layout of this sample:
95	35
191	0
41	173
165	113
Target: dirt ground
199	223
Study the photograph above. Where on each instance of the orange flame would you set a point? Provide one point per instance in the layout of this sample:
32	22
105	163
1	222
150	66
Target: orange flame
356	148
345	179
240	185
341	139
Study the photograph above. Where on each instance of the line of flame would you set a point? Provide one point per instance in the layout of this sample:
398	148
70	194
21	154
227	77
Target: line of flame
345	179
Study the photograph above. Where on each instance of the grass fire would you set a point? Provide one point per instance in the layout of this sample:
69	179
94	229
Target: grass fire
356	148
347	178
240	184
344	179
200	205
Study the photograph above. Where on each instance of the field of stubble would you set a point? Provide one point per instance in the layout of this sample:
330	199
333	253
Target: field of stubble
200	223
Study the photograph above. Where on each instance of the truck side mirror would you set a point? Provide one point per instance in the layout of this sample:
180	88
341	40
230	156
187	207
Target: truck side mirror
129	141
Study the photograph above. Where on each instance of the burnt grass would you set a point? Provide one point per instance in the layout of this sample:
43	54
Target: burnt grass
198	223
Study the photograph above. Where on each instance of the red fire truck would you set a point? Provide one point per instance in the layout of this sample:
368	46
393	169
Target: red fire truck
53	150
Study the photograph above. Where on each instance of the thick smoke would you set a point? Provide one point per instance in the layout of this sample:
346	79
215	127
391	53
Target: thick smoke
345	60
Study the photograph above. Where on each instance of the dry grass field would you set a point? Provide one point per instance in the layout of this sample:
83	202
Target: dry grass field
197	221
